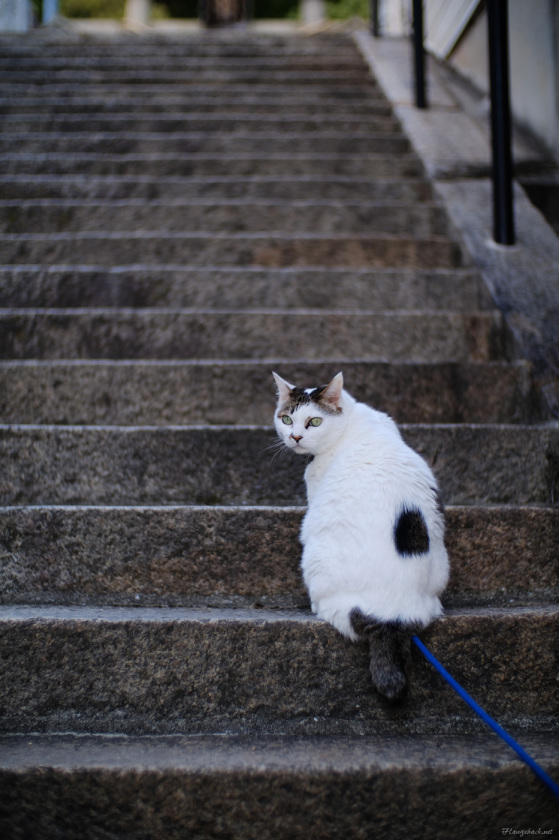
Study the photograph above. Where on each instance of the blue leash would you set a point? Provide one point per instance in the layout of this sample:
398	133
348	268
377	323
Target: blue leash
539	771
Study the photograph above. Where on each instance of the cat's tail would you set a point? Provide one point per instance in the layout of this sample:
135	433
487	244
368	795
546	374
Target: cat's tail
390	652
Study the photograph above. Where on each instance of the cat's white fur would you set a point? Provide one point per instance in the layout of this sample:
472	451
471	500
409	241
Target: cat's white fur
361	477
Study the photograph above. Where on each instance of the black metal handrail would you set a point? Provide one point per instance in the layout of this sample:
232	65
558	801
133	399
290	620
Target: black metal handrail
375	27
503	210
419	55
501	133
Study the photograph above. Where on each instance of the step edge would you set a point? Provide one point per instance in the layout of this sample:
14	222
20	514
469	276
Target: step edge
94	614
255	751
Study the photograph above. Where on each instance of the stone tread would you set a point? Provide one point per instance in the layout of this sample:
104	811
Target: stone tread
336	142
240	287
182	392
248	164
231	464
197	42
346	60
235	67
257	335
203	785
151	670
425	219
227	76
68	101
204	753
340	96
326	187
245	556
169	122
269	250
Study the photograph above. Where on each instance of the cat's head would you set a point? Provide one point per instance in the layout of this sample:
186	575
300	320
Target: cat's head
311	420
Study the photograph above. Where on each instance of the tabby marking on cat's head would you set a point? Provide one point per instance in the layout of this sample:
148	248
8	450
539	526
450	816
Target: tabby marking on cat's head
326	397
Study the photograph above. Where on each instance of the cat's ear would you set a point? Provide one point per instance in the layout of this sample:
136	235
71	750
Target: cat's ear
333	392
284	388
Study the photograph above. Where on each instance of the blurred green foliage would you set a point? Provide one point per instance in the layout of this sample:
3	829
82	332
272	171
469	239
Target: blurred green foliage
92	8
344	9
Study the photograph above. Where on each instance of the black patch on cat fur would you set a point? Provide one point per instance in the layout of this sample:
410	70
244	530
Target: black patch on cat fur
410	533
389	651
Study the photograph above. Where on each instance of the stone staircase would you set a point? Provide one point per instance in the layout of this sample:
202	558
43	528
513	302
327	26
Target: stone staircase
178	217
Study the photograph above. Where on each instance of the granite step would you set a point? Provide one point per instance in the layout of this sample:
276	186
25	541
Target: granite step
203	249
156	164
171	123
335	99
122	65
149	188
245	557
183	142
215	42
267	55
199	75
257	335
199	43
241	465
183	393
141	670
245	287
263	788
69	101
232	215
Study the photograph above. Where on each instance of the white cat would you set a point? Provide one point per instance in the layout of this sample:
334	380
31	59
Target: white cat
374	560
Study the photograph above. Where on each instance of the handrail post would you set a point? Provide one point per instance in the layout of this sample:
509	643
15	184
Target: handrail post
375	28
419	54
503	212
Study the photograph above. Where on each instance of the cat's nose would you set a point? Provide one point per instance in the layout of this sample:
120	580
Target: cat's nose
297	438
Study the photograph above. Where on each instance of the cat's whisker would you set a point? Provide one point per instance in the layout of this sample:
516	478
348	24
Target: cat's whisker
278	444
279	447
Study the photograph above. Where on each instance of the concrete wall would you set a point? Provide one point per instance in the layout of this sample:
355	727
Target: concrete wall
445	23
534	64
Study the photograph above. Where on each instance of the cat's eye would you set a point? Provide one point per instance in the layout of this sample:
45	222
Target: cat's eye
316	421
287	420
